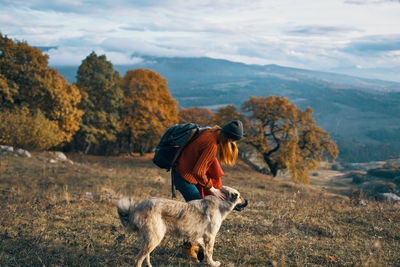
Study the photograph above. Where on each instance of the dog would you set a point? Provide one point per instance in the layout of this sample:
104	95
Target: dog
196	221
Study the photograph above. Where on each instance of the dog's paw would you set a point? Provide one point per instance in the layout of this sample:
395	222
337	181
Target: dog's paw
215	264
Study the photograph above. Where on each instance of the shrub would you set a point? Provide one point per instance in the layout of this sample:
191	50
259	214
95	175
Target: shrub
336	167
357	177
388	173
375	188
358	180
396	180
356	194
20	128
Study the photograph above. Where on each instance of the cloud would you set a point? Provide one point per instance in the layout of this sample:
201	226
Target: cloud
62	6
138	46
321	30
306	34
8	20
374	44
73	56
46	48
370	2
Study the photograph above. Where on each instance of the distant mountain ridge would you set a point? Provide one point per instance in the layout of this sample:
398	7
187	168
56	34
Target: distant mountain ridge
352	109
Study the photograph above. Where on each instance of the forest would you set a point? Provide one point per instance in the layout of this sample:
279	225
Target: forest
106	114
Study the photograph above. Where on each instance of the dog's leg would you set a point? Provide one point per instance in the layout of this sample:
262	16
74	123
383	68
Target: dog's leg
208	250
143	253
147	248
148	260
151	238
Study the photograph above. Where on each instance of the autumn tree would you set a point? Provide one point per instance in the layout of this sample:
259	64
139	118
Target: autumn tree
226	114
101	101
148	109
26	81
287	137
201	116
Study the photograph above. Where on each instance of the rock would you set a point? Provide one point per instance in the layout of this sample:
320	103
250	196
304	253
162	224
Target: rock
60	156
361	203
88	195
6	149
23	152
390	197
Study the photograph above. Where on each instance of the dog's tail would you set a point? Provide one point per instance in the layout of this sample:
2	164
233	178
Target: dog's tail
125	209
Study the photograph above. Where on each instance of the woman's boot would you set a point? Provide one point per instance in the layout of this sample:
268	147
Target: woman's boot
190	250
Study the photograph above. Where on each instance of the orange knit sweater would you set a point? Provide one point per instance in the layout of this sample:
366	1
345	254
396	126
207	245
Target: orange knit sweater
197	157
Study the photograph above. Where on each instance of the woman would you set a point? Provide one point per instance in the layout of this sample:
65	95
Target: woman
198	167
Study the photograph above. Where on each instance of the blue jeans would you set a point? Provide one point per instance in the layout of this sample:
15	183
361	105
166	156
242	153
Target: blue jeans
189	191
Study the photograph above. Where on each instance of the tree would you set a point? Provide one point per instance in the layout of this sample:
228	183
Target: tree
201	116
287	137
226	114
148	109
26	81
101	101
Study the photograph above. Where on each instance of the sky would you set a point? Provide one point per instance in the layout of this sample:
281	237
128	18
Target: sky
355	37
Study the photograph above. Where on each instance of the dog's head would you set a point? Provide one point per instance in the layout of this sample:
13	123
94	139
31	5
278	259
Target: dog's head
233	196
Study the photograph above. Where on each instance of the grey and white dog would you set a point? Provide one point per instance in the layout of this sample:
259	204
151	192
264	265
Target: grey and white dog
197	221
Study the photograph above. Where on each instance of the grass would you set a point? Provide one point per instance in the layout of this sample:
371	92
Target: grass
48	219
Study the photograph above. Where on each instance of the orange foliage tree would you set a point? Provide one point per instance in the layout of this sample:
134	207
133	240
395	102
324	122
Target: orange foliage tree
26	81
228	113
287	137
148	109
201	116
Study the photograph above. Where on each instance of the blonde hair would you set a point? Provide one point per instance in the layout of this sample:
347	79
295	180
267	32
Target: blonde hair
227	149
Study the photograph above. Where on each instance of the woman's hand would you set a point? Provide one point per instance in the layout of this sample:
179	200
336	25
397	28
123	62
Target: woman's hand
217	193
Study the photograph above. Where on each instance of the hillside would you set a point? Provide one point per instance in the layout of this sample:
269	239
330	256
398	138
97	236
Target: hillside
361	114
62	213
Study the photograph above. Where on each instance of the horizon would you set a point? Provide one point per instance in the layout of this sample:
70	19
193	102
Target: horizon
116	66
351	37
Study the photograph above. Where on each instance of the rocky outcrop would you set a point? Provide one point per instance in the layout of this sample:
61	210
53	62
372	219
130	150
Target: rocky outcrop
51	156
389	197
9	150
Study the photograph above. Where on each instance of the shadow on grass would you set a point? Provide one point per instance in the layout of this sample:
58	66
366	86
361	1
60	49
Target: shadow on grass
25	251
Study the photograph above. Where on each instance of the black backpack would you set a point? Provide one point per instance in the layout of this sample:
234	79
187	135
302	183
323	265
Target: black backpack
171	144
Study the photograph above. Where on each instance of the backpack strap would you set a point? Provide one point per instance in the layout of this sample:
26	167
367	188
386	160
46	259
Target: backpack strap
193	135
172	186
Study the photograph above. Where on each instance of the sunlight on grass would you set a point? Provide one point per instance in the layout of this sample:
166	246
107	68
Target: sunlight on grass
64	214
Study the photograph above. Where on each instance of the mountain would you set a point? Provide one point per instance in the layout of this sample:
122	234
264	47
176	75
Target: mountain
361	114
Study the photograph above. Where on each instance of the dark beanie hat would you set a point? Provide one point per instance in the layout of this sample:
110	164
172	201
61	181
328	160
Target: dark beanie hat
233	130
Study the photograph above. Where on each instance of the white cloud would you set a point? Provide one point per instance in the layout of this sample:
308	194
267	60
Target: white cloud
69	56
310	34
10	21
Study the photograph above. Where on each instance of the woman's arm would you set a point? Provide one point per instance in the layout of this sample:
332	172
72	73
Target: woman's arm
203	163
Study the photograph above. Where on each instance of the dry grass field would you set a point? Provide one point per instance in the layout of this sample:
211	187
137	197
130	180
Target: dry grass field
63	214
